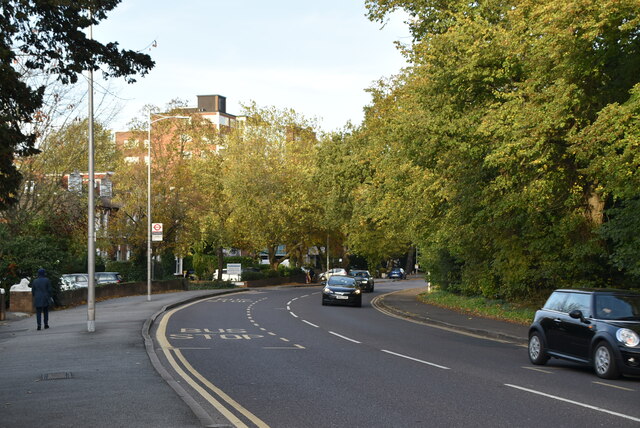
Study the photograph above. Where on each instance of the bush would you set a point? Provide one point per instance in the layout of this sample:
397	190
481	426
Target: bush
289	271
249	276
129	270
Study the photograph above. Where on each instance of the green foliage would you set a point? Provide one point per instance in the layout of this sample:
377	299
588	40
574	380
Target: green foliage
130	270
480	306
287	271
204	264
508	150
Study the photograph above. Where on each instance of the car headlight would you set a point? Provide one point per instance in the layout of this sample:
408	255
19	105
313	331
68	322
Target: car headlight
327	290
628	337
358	291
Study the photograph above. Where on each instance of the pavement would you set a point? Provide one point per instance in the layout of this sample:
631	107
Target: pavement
66	376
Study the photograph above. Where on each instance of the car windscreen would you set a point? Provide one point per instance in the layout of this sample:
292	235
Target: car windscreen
618	307
362	273
342	281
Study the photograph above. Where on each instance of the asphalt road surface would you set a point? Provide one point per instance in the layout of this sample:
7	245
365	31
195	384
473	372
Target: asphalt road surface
278	358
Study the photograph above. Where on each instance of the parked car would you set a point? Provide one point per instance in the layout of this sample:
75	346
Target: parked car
397	273
364	278
108	278
598	327
71	281
342	289
335	271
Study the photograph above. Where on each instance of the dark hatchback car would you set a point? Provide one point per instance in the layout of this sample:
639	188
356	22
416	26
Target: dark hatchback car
598	327
397	273
342	290
364	279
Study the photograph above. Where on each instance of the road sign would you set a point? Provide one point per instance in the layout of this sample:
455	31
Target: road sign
156	231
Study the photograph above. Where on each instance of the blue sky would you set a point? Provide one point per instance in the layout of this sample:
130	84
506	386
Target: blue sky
316	57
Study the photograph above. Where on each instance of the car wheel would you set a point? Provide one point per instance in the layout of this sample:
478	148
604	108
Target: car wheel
537	353
604	362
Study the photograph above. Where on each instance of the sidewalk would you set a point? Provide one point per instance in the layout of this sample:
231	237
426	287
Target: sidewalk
66	376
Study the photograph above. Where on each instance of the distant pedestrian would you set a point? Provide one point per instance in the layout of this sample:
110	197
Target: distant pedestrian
43	294
311	275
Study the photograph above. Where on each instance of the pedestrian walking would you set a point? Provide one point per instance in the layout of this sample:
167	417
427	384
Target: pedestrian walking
43	295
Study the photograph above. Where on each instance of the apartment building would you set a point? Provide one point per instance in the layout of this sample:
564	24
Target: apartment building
213	108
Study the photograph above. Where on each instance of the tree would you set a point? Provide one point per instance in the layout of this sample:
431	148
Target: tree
484	127
178	146
268	170
34	35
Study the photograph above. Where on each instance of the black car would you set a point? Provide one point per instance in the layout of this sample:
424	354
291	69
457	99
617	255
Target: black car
599	327
343	290
364	279
397	273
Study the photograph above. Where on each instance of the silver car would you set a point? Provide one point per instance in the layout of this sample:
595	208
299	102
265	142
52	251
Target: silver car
71	281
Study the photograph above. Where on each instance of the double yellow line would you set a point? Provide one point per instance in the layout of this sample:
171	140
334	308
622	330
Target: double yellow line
191	375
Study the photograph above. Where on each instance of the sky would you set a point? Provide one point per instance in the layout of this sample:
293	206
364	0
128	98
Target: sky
316	57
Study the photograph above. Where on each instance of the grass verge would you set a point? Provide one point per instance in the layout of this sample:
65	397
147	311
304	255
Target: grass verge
480	306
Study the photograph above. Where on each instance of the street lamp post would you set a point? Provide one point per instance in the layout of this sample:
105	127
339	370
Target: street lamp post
151	122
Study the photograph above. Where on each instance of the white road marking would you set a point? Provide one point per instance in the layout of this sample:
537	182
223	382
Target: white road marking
344	337
555	397
283	347
537	369
416	359
614	386
284	340
294	315
311	324
190	373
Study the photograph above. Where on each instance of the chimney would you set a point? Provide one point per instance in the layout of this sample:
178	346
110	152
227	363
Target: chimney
212	103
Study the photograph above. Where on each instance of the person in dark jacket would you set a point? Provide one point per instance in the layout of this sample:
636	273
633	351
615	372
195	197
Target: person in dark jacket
42	293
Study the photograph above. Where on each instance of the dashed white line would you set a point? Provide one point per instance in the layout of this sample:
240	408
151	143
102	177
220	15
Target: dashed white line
294	315
614	386
537	370
416	360
344	337
555	397
311	324
284	340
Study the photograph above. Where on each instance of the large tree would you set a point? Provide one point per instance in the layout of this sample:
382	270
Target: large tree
492	127
48	37
268	169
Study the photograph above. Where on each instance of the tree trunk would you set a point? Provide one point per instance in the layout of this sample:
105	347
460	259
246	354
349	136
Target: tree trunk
220	262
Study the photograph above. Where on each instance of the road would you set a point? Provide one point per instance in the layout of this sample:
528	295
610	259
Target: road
277	358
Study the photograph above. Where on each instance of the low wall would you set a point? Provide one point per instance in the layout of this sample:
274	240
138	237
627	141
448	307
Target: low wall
110	291
22	301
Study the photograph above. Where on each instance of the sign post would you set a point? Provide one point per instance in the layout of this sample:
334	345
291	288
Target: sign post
156	232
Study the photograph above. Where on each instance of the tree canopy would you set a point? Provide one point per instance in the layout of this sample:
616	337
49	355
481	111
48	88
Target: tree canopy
48	37
514	126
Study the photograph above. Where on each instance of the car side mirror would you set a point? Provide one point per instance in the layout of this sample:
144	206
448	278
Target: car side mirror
577	314
323	283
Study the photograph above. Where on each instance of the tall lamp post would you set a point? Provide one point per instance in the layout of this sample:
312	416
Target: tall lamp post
151	122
